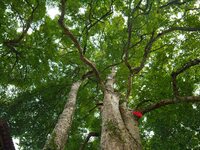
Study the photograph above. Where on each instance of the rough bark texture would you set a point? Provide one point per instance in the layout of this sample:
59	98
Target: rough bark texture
59	135
119	132
131	126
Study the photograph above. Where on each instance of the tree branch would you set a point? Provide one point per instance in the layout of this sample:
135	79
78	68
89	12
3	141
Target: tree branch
127	46
165	102
90	25
141	39
136	7
156	49
129	86
109	12
153	39
88	138
97	105
15	41
174	2
189	29
181	70
112	65
147	8
136	70
141	103
75	41
147	50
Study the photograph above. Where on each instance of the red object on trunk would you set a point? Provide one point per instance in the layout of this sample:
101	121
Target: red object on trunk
137	114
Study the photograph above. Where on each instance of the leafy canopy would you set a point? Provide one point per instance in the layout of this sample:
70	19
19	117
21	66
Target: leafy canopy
149	39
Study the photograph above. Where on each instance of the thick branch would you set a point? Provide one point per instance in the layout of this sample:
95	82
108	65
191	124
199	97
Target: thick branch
88	138
165	102
181	70
75	41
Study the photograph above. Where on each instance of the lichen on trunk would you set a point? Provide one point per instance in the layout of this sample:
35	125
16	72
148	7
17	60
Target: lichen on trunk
119	132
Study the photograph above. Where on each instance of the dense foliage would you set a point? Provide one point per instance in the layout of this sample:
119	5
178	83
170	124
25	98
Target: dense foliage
145	39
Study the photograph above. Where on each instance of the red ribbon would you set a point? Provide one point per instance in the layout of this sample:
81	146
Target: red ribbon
137	114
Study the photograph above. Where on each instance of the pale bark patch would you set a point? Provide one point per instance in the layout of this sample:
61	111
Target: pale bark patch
119	131
60	133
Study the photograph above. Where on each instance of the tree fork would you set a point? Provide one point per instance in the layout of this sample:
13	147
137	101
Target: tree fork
117	131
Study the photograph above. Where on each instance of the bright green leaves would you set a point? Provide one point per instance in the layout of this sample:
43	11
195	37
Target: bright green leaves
18	24
114	34
44	60
41	105
170	126
40	9
73	7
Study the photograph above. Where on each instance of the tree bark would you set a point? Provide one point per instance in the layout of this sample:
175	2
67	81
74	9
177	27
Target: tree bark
59	135
119	131
6	142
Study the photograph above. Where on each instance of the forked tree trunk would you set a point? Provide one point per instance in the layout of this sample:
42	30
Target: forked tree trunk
119	131
59	135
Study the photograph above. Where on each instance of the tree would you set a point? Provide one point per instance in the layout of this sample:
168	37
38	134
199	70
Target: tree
6	140
135	55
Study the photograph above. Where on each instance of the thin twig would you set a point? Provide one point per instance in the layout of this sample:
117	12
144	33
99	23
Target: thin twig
96	134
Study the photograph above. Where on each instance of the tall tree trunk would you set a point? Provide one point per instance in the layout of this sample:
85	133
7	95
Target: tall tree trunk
119	131
59	135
